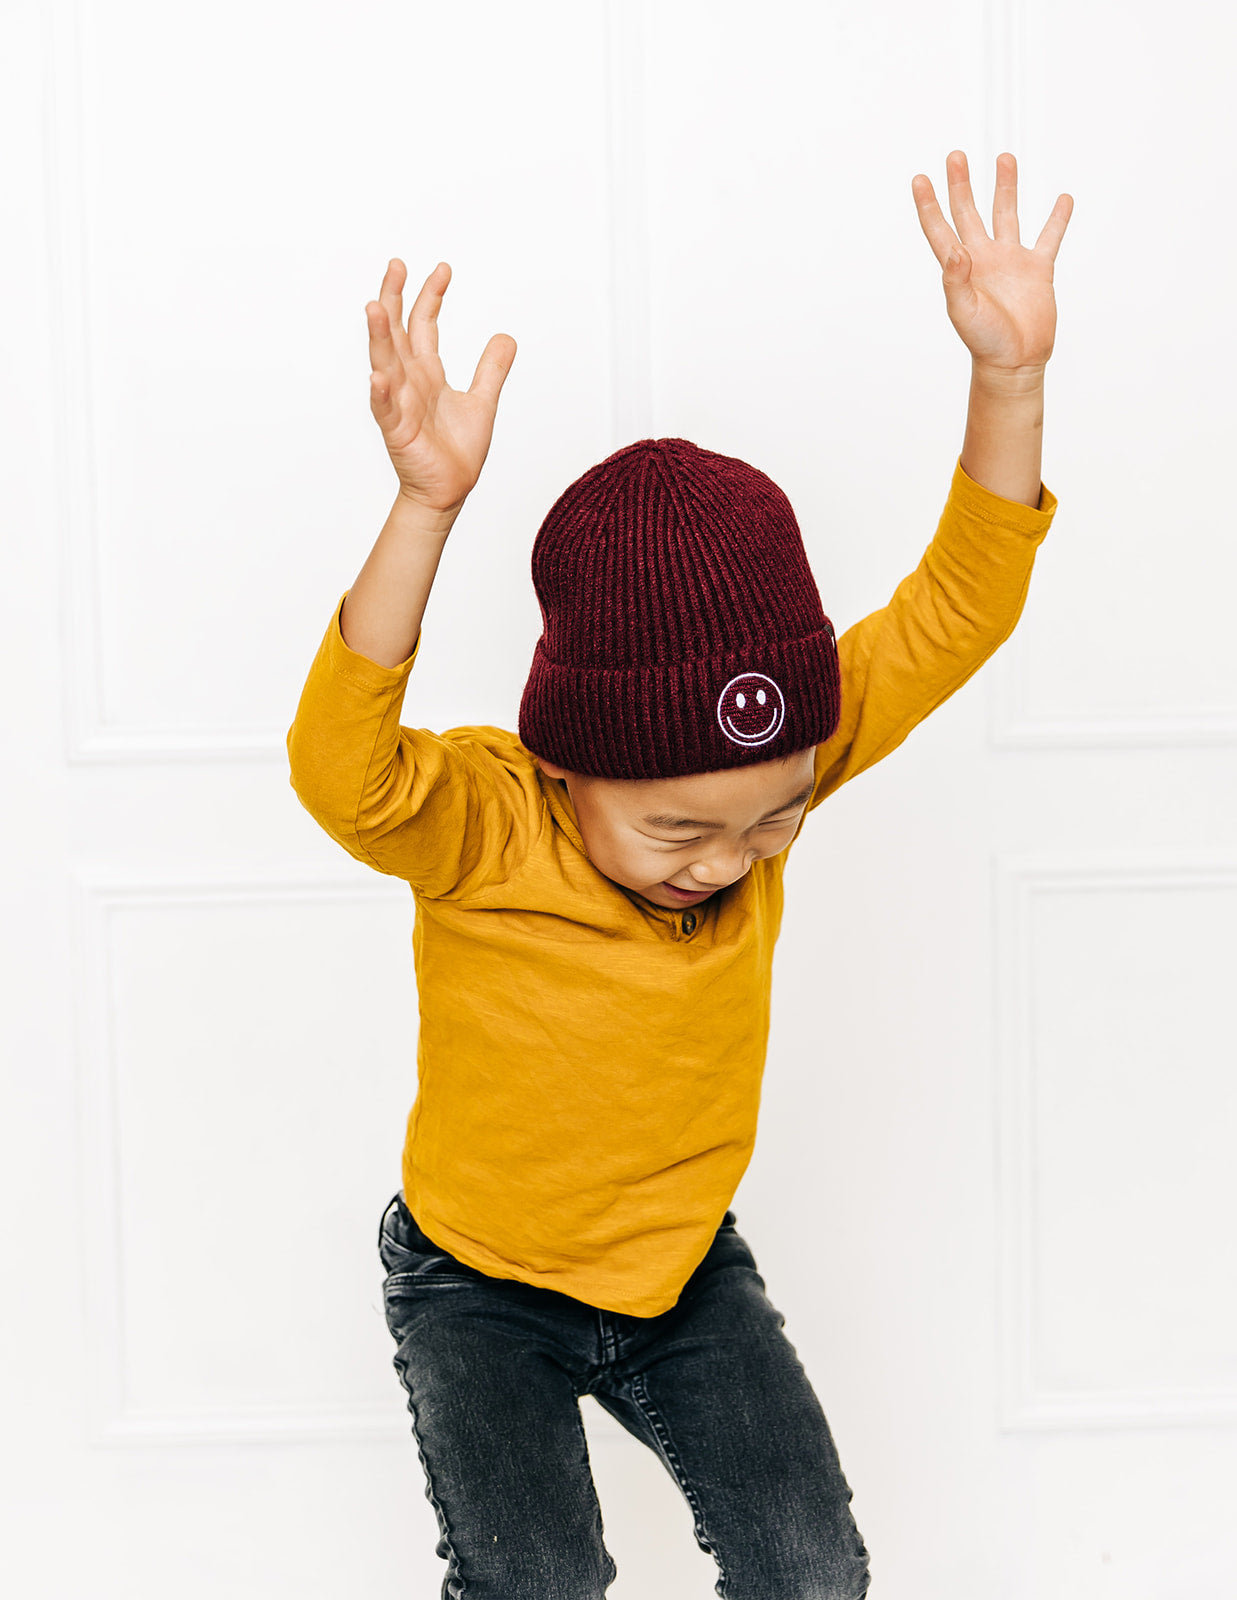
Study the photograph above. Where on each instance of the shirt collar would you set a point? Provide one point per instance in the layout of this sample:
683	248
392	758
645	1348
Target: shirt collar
559	801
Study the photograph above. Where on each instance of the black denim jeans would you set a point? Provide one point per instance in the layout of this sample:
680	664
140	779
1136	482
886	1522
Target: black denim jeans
494	1370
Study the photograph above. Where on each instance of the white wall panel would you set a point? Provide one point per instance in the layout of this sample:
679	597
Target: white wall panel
250	1058
1128	638
1120	1108
220	216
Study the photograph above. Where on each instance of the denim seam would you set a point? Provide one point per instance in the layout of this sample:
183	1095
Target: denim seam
656	1421
454	1572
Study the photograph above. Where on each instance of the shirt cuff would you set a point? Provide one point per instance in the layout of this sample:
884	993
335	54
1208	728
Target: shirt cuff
981	503
359	669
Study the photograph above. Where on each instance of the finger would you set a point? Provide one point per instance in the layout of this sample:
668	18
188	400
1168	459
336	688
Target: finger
1050	235
423	319
492	369
937	231
1005	199
391	298
384	358
967	220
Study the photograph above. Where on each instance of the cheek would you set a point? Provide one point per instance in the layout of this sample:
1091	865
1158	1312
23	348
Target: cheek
613	849
649	862
652	860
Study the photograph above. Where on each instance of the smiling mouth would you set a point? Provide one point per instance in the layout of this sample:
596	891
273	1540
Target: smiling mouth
689	894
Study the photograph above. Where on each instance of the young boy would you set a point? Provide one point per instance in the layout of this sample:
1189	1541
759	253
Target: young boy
597	902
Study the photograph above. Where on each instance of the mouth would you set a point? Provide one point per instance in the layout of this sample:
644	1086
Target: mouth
687	897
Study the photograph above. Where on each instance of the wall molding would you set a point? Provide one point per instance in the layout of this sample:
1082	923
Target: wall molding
1024	1403
1007	105
630	334
90	737
1015	61
1012	725
97	895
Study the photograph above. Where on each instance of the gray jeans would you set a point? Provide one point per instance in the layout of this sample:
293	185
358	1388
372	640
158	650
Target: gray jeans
494	1369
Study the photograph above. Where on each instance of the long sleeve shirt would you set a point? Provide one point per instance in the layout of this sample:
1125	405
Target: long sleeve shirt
589	1064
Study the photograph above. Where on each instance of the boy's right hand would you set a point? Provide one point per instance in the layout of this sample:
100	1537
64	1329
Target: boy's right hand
437	437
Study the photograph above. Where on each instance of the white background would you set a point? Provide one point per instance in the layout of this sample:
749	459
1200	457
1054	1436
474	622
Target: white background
993	1191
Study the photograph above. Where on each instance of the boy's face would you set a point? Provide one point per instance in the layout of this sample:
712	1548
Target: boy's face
676	841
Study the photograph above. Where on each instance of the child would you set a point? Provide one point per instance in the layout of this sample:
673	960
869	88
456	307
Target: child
597	902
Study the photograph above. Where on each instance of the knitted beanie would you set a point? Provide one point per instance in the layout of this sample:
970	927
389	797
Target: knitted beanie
682	628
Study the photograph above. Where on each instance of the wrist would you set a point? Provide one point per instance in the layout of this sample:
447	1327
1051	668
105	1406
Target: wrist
416	518
1014	382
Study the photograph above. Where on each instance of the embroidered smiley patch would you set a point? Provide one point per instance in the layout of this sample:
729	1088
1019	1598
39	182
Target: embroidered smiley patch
750	709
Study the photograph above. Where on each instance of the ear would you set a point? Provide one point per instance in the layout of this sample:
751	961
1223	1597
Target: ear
550	769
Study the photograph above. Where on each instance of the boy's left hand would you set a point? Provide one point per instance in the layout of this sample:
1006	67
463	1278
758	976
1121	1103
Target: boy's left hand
997	292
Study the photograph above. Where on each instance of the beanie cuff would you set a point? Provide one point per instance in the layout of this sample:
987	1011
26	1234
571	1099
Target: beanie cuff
670	720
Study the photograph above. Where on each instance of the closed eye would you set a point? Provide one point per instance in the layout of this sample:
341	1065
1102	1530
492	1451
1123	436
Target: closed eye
679	844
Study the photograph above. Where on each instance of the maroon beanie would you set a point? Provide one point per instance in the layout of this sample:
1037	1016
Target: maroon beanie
682	628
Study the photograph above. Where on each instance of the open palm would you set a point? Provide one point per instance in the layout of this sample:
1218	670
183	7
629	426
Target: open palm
998	293
437	437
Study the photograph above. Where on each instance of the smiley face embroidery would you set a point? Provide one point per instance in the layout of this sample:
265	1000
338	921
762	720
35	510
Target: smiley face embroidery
750	709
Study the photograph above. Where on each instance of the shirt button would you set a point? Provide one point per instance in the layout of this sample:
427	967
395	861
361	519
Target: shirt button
689	922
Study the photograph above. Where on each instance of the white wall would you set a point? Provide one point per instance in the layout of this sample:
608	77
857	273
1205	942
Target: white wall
993	1188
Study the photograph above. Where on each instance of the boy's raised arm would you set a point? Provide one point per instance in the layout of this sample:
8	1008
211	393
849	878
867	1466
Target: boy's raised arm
999	297
442	812
438	439
947	617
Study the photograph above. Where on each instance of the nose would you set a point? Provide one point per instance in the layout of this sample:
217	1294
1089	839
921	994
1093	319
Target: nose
721	867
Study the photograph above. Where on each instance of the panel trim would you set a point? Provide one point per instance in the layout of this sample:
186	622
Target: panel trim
97	894
1024	1404
1007	104
1014	55
1013	727
89	736
630	334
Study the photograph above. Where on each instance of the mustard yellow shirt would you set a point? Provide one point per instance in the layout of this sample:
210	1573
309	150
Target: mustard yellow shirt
589	1064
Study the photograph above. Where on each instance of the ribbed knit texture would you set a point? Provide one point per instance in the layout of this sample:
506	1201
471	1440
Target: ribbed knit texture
682	627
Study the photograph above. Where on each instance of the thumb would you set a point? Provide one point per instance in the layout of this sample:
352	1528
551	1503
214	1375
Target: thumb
957	269
493	367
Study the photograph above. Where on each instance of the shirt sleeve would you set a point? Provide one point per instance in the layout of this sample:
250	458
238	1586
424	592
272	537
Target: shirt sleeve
945	619
449	813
